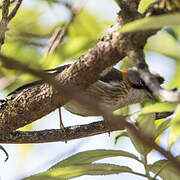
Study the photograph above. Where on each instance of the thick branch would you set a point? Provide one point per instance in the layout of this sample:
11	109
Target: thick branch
37	102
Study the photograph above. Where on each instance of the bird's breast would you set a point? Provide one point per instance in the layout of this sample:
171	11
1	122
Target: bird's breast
112	97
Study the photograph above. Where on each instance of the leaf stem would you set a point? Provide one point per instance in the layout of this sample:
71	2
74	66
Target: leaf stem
157	174
139	174
144	160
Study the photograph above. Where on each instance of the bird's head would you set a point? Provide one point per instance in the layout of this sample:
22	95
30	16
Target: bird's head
138	83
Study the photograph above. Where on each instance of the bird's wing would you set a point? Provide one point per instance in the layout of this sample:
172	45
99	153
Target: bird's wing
113	75
30	85
57	69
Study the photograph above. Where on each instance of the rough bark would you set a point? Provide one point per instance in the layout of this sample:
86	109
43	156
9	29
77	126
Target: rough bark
32	104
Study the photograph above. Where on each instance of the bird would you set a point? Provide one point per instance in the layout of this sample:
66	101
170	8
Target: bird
114	89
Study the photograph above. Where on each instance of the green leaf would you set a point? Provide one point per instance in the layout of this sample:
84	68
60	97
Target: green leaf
167	171
144	4
162	127
87	157
123	111
146	125
176	80
154	22
160	107
163	41
126	63
7	155
146	122
80	164
121	134
171	32
175	131
69	172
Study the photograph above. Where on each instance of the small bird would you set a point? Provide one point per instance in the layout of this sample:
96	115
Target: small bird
115	89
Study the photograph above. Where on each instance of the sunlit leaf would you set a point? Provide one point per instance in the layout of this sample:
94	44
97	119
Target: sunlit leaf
154	22
176	80
123	111
121	134
126	63
175	124
25	148
163	41
171	31
69	172
160	107
162	127
144	4
93	155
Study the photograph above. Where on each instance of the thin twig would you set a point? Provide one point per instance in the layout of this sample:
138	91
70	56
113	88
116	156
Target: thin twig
6	17
10	2
150	80
55	40
15	9
4	21
60	32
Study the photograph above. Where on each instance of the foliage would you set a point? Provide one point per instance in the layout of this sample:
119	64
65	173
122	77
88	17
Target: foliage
26	40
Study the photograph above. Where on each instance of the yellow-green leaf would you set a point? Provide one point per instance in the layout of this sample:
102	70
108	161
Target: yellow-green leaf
154	22
176	80
93	155
160	107
162	127
144	4
163	41
175	131
69	172
146	125
168	172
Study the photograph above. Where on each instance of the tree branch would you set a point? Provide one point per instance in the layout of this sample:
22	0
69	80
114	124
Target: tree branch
15	9
4	21
150	80
69	133
6	18
60	32
110	49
